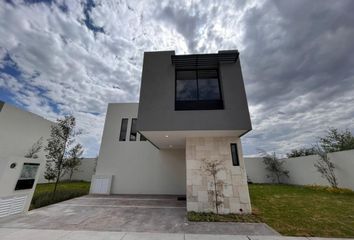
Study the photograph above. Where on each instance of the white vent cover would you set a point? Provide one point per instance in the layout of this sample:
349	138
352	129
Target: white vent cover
12	205
101	184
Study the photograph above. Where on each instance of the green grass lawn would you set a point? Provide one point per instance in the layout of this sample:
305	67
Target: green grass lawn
48	187
304	211
66	190
295	210
290	210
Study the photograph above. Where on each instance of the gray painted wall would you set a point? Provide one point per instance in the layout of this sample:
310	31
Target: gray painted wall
303	172
157	99
138	167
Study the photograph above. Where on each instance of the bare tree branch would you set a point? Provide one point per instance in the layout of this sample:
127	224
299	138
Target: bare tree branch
325	167
274	166
212	168
34	150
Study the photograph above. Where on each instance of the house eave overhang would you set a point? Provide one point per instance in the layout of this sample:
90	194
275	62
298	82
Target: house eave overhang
204	61
177	139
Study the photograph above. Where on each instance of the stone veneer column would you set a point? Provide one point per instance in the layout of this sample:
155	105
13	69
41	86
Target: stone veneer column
235	189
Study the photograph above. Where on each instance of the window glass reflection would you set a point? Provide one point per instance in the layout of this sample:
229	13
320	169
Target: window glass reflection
186	90
208	89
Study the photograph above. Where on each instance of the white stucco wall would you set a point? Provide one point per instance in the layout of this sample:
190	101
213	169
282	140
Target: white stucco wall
19	130
255	169
84	173
302	170
138	167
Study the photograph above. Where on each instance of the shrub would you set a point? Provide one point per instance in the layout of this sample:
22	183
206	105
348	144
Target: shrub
301	152
275	166
46	198
213	217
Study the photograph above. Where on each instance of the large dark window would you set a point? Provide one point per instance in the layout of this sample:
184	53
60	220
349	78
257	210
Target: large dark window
198	90
234	155
133	132
123	129
186	86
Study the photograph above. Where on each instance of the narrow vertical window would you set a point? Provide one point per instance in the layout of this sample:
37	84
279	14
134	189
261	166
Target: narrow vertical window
123	129
234	155
133	132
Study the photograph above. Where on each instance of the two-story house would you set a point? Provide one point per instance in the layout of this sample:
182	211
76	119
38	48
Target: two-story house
191	115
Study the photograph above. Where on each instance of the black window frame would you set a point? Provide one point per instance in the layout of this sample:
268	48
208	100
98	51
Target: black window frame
199	104
132	137
24	183
234	151
123	136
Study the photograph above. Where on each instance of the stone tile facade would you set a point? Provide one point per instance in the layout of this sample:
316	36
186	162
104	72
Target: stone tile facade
231	180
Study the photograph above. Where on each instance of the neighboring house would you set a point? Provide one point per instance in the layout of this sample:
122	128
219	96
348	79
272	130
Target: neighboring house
83	173
19	130
192	109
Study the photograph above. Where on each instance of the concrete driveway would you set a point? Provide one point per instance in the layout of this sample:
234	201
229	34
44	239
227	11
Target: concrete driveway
126	213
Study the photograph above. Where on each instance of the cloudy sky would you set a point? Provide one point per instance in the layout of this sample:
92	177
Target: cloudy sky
62	57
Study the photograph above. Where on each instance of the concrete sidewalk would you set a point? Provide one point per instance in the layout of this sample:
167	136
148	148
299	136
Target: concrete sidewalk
38	234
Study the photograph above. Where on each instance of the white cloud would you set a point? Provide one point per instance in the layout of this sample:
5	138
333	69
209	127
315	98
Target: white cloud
66	63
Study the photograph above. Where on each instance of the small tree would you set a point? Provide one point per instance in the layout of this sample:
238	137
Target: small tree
62	137
337	140
326	167
72	164
34	150
275	167
212	168
49	173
